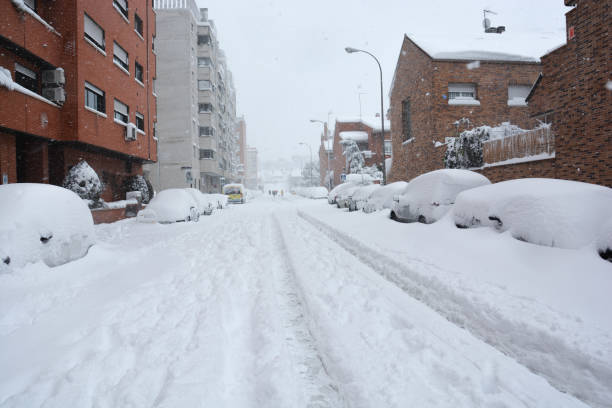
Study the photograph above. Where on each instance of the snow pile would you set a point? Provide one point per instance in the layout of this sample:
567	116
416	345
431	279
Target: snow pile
118	204
42	222
359	178
217	200
84	181
383	197
204	204
6	80
312	192
171	205
357	136
430	195
558	213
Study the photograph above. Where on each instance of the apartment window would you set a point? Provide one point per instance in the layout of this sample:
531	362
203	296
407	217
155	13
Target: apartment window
31	4
406	121
120	57
121	6
204	85
138	72
94	98
206	131
207	154
204	62
517	94
138	25
388	148
122	112
140	121
205	107
26	78
203	39
462	91
94	33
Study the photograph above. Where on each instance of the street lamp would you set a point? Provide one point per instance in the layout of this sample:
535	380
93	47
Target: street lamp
351	50
328	181
311	164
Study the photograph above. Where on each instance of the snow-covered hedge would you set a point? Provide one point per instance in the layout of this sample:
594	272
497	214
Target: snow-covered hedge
42	222
558	213
84	181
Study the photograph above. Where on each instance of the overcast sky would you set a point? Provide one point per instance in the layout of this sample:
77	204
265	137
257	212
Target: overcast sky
289	63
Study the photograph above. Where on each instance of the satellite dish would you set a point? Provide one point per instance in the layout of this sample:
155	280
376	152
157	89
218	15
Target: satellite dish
486	23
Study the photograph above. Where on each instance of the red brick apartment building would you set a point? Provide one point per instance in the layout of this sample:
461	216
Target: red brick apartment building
76	83
430	94
366	132
573	94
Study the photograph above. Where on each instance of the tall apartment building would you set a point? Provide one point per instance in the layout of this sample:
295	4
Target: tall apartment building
76	84
242	145
197	102
252	168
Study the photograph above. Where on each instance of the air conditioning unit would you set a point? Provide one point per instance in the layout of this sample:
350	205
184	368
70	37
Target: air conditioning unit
130	132
57	95
53	77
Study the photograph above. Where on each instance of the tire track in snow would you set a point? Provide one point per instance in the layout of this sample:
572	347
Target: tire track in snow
566	369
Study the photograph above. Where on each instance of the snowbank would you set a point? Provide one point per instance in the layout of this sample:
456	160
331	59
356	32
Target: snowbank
42	222
171	205
312	192
558	213
383	197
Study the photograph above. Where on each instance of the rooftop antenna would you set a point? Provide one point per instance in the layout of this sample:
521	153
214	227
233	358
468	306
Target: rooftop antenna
487	24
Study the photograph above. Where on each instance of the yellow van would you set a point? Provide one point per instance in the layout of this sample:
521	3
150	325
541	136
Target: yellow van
234	193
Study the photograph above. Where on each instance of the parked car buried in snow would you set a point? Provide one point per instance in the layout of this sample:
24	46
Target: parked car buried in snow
383	197
205	206
428	197
359	197
42	222
171	205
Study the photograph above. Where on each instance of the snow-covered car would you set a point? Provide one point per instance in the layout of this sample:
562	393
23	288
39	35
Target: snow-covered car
218	200
171	205
383	197
428	197
559	213
42	222
205	206
359	197
342	198
331	196
312	192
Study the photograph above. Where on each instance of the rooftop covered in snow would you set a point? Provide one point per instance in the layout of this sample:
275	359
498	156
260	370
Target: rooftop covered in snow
372	122
357	136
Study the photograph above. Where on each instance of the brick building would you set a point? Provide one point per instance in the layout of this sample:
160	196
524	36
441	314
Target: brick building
76	83
571	94
436	96
366	132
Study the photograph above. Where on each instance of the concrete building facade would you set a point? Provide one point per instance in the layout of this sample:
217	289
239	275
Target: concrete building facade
198	142
76	84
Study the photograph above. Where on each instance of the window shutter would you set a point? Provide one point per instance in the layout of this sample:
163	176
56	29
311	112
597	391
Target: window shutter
518	91
94	89
94	30
121	108
120	53
25	71
462	88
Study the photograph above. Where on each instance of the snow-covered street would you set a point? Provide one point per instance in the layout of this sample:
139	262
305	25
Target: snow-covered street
257	306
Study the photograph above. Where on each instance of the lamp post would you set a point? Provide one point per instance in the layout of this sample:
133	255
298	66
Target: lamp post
325	132
351	50
311	164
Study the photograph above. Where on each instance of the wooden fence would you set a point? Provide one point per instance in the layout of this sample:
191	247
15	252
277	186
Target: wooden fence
529	143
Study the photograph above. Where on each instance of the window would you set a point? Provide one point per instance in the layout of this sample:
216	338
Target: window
31	4
120	57
138	72
406	122
207	154
121	6
204	107
206	131
26	78
461	91
388	148
94	33
121	112
94	98
204	85
138	25
204	62
139	121
203	39
517	94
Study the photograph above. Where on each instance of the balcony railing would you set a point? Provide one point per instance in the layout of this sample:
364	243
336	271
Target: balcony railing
538	142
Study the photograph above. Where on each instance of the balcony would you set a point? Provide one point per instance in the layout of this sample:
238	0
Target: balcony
531	145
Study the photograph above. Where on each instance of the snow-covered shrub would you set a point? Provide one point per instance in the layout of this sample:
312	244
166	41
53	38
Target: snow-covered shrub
84	181
42	222
139	183
353	156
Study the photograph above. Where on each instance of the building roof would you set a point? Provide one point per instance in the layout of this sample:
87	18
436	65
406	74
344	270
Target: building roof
474	55
371	122
357	136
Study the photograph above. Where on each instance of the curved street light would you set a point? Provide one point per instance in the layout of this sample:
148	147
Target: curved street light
352	50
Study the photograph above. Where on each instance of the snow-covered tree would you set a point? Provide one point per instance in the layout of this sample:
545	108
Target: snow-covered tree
353	156
139	183
84	181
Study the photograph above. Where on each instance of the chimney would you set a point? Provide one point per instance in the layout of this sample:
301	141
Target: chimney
204	14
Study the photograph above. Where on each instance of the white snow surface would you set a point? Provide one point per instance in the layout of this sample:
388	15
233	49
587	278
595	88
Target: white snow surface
359	178
558	213
259	306
171	205
372	122
363	193
31	214
357	136
383	197
204	203
476	55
